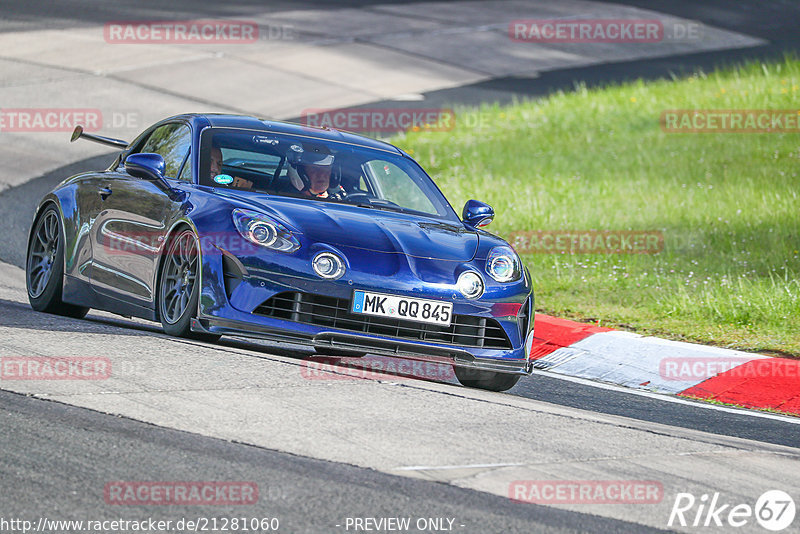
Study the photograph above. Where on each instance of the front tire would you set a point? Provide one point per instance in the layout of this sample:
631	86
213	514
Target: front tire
488	380
179	288
44	267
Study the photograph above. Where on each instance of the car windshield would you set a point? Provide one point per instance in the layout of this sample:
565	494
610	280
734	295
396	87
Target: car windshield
311	168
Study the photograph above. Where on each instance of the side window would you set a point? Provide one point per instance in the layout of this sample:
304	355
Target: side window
172	141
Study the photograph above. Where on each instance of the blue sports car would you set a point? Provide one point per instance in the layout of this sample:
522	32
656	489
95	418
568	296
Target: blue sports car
232	225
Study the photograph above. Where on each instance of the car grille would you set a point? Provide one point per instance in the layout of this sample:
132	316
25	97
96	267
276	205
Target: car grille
319	310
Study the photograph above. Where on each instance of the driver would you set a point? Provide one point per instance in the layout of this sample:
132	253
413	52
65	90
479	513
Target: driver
216	170
314	169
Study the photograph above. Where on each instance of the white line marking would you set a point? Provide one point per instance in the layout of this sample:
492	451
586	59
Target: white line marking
669	398
440	467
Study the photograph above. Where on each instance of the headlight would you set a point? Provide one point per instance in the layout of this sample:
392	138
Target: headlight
264	230
328	265
503	264
470	284
263	233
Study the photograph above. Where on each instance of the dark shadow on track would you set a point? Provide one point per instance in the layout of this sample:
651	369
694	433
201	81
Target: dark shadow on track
18	315
547	388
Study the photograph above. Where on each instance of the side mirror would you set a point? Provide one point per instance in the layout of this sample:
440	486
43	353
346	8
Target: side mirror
146	166
477	214
150	167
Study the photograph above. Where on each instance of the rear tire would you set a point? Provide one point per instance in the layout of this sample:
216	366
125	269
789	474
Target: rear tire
488	380
44	267
178	287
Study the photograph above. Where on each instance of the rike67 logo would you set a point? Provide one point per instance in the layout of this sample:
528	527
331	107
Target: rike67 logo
774	510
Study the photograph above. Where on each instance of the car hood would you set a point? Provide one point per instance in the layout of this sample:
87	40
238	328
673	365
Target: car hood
372	229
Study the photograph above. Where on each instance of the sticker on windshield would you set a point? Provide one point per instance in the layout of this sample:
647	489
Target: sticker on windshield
223	179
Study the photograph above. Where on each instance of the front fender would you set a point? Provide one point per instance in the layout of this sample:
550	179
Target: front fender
216	232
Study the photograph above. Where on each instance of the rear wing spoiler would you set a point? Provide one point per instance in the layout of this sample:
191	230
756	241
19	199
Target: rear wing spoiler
78	133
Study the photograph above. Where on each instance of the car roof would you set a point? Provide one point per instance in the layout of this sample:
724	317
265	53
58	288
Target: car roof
220	120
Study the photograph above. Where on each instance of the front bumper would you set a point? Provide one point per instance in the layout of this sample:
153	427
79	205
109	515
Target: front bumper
427	352
247	296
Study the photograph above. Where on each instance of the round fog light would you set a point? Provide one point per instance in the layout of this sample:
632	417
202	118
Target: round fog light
328	265
470	284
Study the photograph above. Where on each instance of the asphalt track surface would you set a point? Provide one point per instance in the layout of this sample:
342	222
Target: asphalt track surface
307	495
56	458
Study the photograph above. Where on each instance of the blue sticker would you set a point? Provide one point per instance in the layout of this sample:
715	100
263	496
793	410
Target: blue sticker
223	179
358	301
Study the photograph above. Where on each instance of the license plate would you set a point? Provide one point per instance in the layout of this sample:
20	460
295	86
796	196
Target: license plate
411	309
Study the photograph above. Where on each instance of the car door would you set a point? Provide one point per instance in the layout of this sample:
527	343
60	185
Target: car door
130	229
80	217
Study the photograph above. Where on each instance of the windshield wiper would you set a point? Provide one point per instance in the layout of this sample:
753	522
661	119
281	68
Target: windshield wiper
380	205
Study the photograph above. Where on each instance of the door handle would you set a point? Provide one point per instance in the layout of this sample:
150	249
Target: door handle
104	193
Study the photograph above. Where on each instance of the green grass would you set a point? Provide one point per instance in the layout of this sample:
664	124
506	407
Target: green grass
728	204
